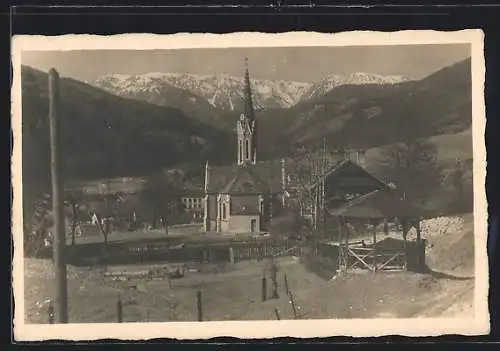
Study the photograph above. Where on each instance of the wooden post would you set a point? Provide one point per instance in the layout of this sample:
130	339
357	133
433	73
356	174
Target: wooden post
50	311
119	310
292	302
420	257
106	236
231	255
277	313
286	282
274	278
199	306
374	246
276	294
264	289
405	232
59	246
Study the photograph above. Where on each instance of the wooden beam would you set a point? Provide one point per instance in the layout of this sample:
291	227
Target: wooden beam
363	257
389	260
359	259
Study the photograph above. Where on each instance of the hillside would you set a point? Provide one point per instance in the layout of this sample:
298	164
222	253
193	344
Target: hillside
105	135
157	89
372	115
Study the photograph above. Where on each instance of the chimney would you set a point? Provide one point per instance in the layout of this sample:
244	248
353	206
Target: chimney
361	158
351	155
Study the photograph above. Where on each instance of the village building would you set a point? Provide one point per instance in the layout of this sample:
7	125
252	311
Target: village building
192	200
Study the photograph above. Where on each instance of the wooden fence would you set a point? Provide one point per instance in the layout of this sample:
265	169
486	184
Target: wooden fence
169	251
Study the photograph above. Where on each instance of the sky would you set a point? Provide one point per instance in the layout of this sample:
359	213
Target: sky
301	64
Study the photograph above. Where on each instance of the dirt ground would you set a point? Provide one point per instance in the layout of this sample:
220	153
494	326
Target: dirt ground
235	292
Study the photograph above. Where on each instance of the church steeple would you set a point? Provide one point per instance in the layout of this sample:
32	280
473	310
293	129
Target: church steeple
246	126
249	111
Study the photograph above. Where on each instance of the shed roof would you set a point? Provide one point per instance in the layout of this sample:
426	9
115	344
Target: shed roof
348	175
376	204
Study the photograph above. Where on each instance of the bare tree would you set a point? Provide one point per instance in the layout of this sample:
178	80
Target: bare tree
162	193
412	166
73	201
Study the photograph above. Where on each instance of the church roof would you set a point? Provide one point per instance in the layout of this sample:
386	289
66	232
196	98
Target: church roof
258	178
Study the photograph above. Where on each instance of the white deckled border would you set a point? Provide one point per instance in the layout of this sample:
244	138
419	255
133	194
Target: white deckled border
259	329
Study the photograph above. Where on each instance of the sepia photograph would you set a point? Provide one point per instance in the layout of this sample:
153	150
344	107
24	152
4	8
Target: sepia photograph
250	185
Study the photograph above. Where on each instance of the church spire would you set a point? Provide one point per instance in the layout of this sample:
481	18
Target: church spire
247	93
246	127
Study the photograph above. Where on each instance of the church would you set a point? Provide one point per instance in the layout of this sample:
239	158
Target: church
242	198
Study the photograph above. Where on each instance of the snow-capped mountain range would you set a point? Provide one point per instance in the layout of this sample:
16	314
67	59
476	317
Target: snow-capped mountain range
226	92
332	81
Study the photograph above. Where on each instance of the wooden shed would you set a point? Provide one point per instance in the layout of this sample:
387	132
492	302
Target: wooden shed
389	253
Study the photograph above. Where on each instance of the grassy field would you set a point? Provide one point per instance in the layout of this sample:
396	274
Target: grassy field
233	292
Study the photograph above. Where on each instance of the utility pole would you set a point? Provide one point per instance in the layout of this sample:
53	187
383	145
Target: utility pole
59	246
323	199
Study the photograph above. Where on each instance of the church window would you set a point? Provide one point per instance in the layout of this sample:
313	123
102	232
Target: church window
247	147
224	211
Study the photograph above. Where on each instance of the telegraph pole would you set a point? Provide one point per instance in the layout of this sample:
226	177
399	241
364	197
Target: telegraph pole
323	199
59	246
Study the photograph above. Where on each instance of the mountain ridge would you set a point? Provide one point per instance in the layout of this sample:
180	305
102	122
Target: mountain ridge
225	91
365	116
